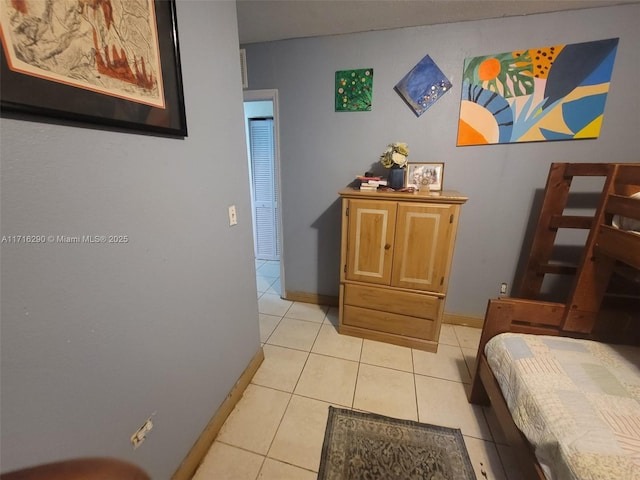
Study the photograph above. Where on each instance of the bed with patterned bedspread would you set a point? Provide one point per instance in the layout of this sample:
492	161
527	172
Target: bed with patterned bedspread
576	401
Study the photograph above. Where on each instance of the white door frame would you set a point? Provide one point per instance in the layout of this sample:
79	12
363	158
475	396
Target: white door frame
265	95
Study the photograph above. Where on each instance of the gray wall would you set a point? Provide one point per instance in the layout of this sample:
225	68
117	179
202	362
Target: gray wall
322	151
96	338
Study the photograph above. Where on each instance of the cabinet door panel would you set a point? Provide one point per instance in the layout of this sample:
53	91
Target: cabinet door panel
423	234
370	243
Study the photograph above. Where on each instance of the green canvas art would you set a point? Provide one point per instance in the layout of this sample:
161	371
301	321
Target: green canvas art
354	90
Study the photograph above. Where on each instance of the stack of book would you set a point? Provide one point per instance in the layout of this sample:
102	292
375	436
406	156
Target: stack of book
371	184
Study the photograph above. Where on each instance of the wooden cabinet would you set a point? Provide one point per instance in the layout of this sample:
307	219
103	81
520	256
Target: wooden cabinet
396	257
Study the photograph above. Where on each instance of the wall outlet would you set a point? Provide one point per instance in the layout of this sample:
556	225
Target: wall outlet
140	435
503	288
233	217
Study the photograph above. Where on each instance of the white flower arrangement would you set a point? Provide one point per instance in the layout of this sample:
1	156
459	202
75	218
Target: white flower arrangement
395	156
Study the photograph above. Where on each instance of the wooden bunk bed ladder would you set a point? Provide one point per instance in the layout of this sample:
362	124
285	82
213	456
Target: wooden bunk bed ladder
583	302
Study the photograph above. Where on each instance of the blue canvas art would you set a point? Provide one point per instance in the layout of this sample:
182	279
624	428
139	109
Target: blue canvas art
423	86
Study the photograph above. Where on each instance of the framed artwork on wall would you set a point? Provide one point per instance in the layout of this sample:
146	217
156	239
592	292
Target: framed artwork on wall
354	90
425	176
424	85
111	63
542	94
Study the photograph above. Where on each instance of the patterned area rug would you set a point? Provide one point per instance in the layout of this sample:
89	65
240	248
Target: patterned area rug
359	446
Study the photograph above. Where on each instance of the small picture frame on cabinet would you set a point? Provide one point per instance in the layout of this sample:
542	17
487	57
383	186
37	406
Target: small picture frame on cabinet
425	176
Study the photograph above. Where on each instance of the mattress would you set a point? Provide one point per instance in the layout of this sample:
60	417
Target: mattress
576	401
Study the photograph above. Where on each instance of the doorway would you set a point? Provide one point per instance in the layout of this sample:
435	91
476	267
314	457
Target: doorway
262	133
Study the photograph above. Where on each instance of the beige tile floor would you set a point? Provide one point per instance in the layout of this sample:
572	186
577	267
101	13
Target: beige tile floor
277	428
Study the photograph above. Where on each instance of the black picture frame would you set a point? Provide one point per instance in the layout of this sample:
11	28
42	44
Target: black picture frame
28	94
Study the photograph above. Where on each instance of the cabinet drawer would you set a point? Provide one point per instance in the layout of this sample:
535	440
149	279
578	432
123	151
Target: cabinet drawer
392	301
389	322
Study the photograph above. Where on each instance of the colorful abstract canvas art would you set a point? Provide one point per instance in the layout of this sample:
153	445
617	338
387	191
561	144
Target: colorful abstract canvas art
536	95
354	90
423	86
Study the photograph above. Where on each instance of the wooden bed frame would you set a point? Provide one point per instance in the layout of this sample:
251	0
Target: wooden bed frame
590	311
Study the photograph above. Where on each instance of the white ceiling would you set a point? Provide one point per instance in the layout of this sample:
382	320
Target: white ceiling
268	20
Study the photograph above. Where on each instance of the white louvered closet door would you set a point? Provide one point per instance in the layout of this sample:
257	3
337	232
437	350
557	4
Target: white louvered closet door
265	189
